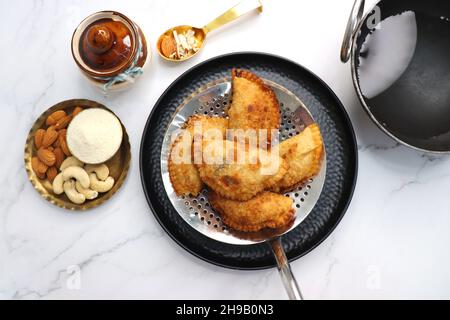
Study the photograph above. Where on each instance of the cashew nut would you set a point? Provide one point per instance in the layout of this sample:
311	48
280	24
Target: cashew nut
88	193
72	194
78	174
101	186
58	184
101	170
71	162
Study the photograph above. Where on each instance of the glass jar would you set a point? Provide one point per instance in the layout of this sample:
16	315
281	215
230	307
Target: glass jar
110	49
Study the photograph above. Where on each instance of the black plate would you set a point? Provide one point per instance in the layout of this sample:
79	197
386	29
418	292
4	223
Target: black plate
339	140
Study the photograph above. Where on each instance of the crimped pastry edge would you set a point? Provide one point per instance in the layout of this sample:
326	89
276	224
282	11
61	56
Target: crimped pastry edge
171	165
314	170
241	73
212	197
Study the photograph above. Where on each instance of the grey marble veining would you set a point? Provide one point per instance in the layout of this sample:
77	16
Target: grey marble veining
393	242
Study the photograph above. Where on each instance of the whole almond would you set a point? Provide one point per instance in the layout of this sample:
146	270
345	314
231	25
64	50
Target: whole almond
63	122
35	164
46	156
59	155
52	172
40	175
54	117
38	166
63	144
50	136
62	133
39	137
56	143
76	111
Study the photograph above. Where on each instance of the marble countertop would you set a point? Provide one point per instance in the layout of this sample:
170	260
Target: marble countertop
392	243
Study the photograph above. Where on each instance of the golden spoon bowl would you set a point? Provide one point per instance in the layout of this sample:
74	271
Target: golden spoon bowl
199	35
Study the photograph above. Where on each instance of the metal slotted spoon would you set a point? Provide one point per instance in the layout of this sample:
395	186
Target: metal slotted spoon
213	100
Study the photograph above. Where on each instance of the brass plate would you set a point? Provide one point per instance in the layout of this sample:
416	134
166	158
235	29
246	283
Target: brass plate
118	165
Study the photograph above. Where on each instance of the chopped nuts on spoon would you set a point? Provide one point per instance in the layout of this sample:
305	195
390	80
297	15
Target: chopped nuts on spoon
179	45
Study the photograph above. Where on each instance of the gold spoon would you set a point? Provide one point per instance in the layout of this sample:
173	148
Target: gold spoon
199	34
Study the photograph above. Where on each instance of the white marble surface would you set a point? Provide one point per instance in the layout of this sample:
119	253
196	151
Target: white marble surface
392	243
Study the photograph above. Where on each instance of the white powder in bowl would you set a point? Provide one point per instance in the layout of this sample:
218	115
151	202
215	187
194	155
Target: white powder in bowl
94	135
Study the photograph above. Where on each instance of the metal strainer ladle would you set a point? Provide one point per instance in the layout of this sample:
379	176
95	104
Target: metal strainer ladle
213	100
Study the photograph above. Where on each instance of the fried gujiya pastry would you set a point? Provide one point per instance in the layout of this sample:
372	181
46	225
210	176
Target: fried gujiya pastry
266	210
183	173
254	105
304	153
238	171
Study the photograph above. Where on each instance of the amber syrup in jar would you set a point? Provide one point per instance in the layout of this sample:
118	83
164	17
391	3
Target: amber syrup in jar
110	50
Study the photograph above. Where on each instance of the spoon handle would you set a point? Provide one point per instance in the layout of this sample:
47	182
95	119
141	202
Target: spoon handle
234	13
284	269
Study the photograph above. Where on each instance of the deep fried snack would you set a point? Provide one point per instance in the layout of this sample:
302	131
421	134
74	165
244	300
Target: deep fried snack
254	105
183	174
266	210
237	171
304	154
208	127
